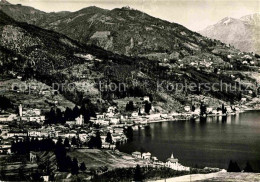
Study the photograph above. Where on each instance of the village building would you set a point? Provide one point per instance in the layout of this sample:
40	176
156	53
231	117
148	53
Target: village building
114	120
174	164
146	98
187	108
137	155
146	155
7	117
79	120
33	156
134	114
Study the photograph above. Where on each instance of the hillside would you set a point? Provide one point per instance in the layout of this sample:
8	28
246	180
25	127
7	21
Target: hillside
121	30
243	33
55	58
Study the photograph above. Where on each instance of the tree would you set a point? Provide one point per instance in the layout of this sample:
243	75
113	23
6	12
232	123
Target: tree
138	174
51	116
66	142
203	109
130	106
129	132
147	107
230	166
82	166
58	115
76	112
248	168
98	141
233	167
68	115
109	138
74	167
224	110
74	141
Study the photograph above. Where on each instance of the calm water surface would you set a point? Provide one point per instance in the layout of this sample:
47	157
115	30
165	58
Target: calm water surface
212	143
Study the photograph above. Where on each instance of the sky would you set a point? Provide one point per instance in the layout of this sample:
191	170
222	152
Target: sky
193	14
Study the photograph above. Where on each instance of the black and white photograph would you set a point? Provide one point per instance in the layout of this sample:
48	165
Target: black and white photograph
130	90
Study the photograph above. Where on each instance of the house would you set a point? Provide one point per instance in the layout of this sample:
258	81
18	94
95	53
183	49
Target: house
70	135
116	137
33	156
105	145
197	111
164	115
146	98
244	62
103	138
134	114
18	134
5	147
83	137
70	122
110	114
146	155
243	99
229	109
103	122
119	130
34	133
137	155
100	116
8	117
79	120
209	109
111	109
187	108
114	120
154	159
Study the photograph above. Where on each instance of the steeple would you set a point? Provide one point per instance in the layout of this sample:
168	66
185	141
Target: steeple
172	156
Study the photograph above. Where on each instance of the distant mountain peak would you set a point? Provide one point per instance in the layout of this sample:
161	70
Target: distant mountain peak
241	32
253	19
226	21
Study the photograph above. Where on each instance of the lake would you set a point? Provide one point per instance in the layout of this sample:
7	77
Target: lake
212	142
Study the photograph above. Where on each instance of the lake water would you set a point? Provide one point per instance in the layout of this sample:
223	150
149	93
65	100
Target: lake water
211	143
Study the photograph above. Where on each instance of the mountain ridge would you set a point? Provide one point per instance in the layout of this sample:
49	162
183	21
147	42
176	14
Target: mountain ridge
243	33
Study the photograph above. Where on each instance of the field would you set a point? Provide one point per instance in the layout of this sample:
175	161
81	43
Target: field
94	158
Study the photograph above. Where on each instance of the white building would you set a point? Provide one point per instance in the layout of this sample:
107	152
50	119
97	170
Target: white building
146	155
187	108
134	114
174	164
146	98
137	155
114	120
20	110
79	120
209	109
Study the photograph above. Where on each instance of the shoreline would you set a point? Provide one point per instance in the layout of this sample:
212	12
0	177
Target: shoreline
209	115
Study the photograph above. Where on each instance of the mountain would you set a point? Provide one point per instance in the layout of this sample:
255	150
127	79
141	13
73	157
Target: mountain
46	50
122	30
243	33
179	55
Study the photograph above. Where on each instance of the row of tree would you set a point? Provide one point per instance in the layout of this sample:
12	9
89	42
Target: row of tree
233	167
130	107
55	115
